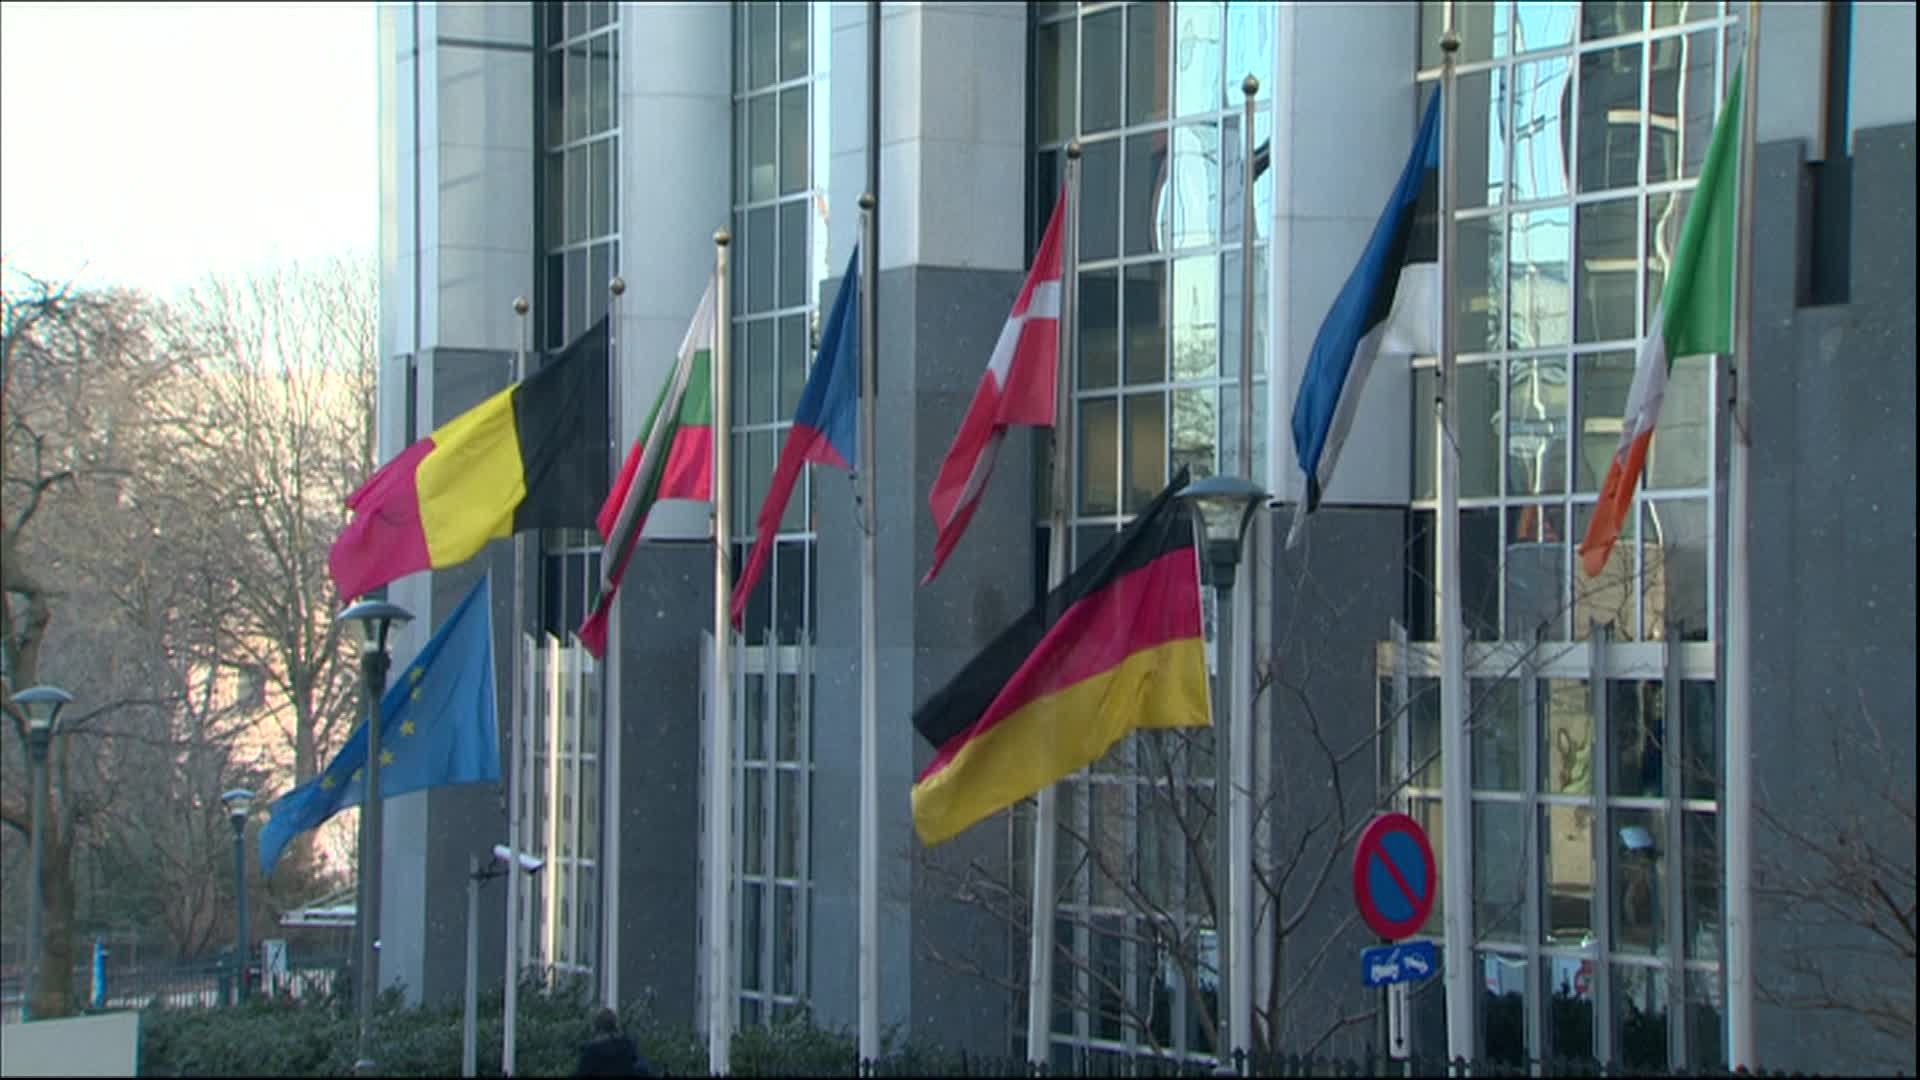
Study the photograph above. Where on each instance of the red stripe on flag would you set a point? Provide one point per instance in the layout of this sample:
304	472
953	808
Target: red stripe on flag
385	540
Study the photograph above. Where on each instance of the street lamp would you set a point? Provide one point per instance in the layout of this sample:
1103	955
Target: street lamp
1226	505
239	802
42	704
479	874
376	618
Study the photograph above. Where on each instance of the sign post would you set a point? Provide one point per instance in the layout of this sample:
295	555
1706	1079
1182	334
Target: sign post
1393	886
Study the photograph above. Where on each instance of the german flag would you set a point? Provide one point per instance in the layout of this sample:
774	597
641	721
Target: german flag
1117	646
533	456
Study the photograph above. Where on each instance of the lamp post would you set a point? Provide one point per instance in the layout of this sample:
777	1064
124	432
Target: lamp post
376	619
42	704
1226	505
478	874
239	802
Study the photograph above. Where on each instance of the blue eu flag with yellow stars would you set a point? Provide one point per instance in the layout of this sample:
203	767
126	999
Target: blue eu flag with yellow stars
437	727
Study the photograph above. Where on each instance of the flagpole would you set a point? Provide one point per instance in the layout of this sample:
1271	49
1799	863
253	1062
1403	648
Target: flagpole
869	659
610	695
1457	875
1240	719
511	1007
1739	671
1046	812
720	761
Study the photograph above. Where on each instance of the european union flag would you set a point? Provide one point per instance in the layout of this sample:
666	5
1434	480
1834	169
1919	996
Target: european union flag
437	727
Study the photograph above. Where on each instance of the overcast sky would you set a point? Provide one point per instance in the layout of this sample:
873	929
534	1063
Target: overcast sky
153	143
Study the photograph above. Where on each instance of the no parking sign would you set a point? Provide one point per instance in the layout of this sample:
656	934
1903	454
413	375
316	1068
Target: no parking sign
1393	876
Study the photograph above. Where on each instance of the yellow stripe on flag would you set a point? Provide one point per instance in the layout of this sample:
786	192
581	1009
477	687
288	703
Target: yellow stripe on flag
471	483
1160	687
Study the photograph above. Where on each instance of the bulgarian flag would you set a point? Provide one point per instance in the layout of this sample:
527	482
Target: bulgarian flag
672	459
1695	316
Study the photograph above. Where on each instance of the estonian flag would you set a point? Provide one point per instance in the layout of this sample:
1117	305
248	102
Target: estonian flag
1116	647
1390	304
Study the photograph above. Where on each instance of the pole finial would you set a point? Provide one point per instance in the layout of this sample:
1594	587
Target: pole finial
1450	42
520	305
721	237
867	200
617	286
1073	150
1250	85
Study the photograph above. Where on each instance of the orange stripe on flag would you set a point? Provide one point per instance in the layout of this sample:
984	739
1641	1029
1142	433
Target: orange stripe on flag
1616	502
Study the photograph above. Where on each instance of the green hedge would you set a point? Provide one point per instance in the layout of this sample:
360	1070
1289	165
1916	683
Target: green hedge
319	1038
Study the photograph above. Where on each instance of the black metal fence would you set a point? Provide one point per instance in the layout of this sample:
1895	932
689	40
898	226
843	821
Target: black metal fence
1252	1065
205	984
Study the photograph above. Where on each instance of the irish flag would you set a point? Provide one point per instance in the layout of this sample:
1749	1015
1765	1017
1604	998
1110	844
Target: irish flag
672	459
1695	316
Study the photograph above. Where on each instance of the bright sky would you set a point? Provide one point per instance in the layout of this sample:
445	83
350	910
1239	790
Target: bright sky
153	143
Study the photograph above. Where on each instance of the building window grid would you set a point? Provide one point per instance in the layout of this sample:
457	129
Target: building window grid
1090	1031
1566	505
773	335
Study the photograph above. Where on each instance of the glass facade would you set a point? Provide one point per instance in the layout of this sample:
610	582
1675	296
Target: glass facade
779	263
1592	707
1152	91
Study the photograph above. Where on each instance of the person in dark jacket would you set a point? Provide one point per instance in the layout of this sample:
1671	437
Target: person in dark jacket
609	1053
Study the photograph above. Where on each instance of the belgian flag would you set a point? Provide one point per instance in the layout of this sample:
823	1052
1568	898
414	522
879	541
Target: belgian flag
1118	646
533	456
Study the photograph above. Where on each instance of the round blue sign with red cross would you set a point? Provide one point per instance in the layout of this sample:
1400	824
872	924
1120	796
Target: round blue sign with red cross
1393	876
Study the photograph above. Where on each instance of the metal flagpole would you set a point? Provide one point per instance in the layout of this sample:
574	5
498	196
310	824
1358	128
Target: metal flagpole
869	565
1456	876
869	660
511	1007
610	734
720	760
1046	812
1239	691
1739	670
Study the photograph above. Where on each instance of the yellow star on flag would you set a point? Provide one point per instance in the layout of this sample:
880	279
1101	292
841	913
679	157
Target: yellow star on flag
356	774
406	727
386	758
415	696
414	674
326	782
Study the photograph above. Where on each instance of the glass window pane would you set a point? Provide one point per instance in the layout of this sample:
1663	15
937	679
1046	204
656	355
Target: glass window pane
1056	49
1607	278
1609	19
786	713
793	254
753	818
1480	572
1147	47
1482	137
1503	1023
1537	425
1423	732
791	576
1143	209
599	273
577	292
1612	595
1681	113
1230	428
761	44
1700	740
1542	26
793	140
1610	118
1146	449
751	937
761	266
1480	397
1539	139
600	84
1499	878
1145	360
1482	274
1100	97
1483	29
1432	21
1189	214
1680	456
755	388
1536	572
787	817
1640	871
1196	57
1249	51
1665	213
1700	844
1705	1028
1640	1017
1426	388
761	163
1601	381
1098	427
600	169
793	39
1196	308
1427	813
1675	565
1494	716
1230	310
786	937
1100	194
1099	316
1193	431
792	364
576	201
1566	743
1537	273
576	101
1636	717
1566	853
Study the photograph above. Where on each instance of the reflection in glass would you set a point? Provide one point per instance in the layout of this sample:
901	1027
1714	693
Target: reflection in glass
1610	118
1539	162
1479	398
1601	381
1700	739
1700	850
751	933
761	149
1639	881
1144	157
1566	856
1538	279
1100	193
1499	874
1705	1028
1423	726
793	256
1674	567
1147	48
794	355
1099	430
1566	745
1100	69
1640	1017
1610	597
753	816
761	48
1426	389
1615	17
1608	275
1494	716
1145	360
1189	213
1249	51
1665	213
1536	569
1542	26
1427	813
786	808
1196	57
1482	274
1196	309
1192	434
1056	47
1146	449
1099	316
1483	28
786	937
1503	1024
793	39
1230	429
1482	124
1230	288
793	140
1536	425
1635	717
1679	456
1480	572
1680	115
